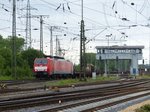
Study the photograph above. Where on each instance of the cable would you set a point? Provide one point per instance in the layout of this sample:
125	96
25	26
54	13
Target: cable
105	16
49	3
73	12
95	22
148	2
134	9
95	9
143	6
20	13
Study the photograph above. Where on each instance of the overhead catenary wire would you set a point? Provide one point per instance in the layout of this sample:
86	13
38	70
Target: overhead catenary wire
105	16
134	9
92	20
86	18
107	26
95	22
143	6
53	6
19	14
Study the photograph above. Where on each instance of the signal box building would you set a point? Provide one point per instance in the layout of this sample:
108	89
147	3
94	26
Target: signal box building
131	53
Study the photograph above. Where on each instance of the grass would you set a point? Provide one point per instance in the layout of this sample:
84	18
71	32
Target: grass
143	77
68	82
12	78
145	108
6	78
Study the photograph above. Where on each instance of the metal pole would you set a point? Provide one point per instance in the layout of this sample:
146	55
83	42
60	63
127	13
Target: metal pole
14	40
28	27
82	46
56	46
81	51
82	10
41	34
41	29
149	52
51	41
108	58
81	41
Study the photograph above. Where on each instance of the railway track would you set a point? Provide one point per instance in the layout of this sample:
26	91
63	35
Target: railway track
11	86
96	108
16	82
74	106
53	98
9	83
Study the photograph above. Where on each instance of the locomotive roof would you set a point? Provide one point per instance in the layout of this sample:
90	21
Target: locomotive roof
55	57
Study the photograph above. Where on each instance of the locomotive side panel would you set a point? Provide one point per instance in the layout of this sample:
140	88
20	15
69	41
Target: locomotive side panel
69	67
63	67
56	67
59	66
50	67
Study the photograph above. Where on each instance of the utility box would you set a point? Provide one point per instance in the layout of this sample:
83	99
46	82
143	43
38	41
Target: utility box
93	75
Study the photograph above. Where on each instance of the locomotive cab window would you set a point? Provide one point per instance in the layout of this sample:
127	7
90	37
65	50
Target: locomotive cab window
41	61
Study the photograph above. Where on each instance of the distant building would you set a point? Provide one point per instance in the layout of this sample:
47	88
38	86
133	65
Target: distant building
131	53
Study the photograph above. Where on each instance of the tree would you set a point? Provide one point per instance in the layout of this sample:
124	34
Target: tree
7	43
1	37
24	58
6	54
30	54
2	62
91	58
19	43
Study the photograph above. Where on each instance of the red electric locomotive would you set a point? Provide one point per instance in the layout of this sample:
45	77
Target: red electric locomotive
52	66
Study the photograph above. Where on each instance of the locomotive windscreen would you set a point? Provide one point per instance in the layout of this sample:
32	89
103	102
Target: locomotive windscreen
41	61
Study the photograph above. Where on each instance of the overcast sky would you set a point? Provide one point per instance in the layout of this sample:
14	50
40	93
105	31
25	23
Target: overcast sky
127	21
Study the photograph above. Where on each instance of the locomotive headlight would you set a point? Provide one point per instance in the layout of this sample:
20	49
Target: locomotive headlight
41	68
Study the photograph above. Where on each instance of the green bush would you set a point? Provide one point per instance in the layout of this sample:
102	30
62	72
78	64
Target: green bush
145	108
24	72
2	62
24	59
29	55
7	71
6	78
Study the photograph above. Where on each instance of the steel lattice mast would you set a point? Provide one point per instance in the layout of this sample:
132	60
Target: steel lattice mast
41	29
82	46
51	28
51	40
41	33
28	25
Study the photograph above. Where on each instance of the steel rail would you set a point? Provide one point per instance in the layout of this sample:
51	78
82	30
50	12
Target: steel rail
63	107
18	82
78	91
114	103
